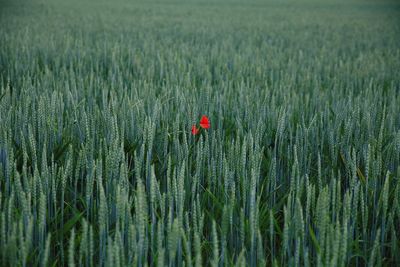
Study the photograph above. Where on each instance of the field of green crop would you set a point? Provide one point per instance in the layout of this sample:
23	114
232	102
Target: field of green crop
300	166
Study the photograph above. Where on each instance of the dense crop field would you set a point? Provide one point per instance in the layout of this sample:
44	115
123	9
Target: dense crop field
300	166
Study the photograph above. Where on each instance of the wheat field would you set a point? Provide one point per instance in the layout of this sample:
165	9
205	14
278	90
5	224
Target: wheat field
104	161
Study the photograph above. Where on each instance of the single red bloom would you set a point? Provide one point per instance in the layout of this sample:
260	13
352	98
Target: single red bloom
205	122
195	130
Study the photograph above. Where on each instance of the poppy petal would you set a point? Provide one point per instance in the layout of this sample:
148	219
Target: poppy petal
205	122
195	130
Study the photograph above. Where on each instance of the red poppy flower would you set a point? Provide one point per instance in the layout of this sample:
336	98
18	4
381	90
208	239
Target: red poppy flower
205	122
195	130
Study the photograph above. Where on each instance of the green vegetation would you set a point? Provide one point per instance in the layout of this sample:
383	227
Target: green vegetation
98	166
